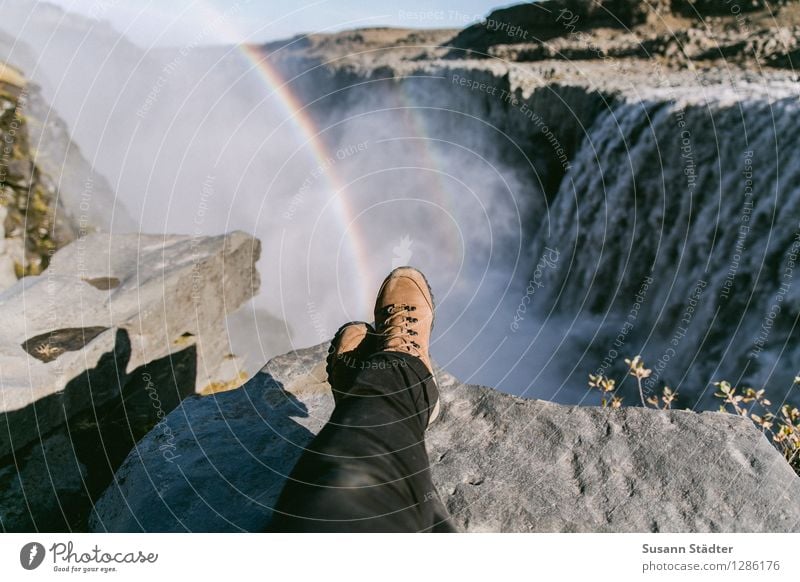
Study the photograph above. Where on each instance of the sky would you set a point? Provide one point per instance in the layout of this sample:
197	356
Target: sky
177	22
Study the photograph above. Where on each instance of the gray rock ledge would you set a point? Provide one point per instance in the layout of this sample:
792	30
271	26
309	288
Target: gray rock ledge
501	463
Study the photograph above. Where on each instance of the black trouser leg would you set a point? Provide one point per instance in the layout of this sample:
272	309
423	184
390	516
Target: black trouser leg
367	469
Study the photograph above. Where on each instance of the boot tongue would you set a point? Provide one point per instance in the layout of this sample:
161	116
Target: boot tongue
394	343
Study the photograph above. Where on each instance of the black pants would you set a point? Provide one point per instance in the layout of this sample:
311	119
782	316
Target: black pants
367	469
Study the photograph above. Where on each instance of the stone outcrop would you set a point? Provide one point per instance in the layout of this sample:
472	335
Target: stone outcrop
677	31
98	349
49	193
541	21
500	463
34	221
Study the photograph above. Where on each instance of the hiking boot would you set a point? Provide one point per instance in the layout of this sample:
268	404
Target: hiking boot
350	347
404	320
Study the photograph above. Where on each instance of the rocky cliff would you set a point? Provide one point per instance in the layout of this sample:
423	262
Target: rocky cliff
676	32
33	222
97	350
500	463
49	194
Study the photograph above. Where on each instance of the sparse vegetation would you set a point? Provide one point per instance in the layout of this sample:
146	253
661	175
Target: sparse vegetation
782	428
636	368
607	386
28	196
48	352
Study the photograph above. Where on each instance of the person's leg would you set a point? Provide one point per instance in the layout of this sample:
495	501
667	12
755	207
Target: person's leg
367	470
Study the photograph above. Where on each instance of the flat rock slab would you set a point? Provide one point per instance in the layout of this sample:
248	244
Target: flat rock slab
500	463
107	305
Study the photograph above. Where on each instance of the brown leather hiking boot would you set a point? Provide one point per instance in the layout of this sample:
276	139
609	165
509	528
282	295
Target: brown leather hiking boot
351	345
404	319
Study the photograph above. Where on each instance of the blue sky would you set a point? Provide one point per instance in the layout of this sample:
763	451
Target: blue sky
175	22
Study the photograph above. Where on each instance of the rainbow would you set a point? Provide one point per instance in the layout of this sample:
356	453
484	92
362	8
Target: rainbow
312	143
355	244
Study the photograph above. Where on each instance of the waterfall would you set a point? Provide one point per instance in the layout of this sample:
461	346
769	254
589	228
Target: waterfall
679	223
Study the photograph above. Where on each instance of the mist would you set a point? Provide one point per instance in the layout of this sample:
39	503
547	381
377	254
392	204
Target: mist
199	140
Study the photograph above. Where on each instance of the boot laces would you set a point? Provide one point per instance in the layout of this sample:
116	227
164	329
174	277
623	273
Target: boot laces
397	328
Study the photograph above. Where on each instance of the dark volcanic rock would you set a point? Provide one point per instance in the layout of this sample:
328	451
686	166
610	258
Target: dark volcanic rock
754	32
540	21
500	463
722	7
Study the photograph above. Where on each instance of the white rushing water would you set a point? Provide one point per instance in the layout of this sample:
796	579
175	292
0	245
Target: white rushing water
681	220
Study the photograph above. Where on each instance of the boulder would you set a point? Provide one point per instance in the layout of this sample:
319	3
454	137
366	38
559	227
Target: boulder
99	349
541	21
500	463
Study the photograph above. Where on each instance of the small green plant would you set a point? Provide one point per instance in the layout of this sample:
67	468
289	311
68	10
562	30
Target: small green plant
48	352
607	387
782	428
637	369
